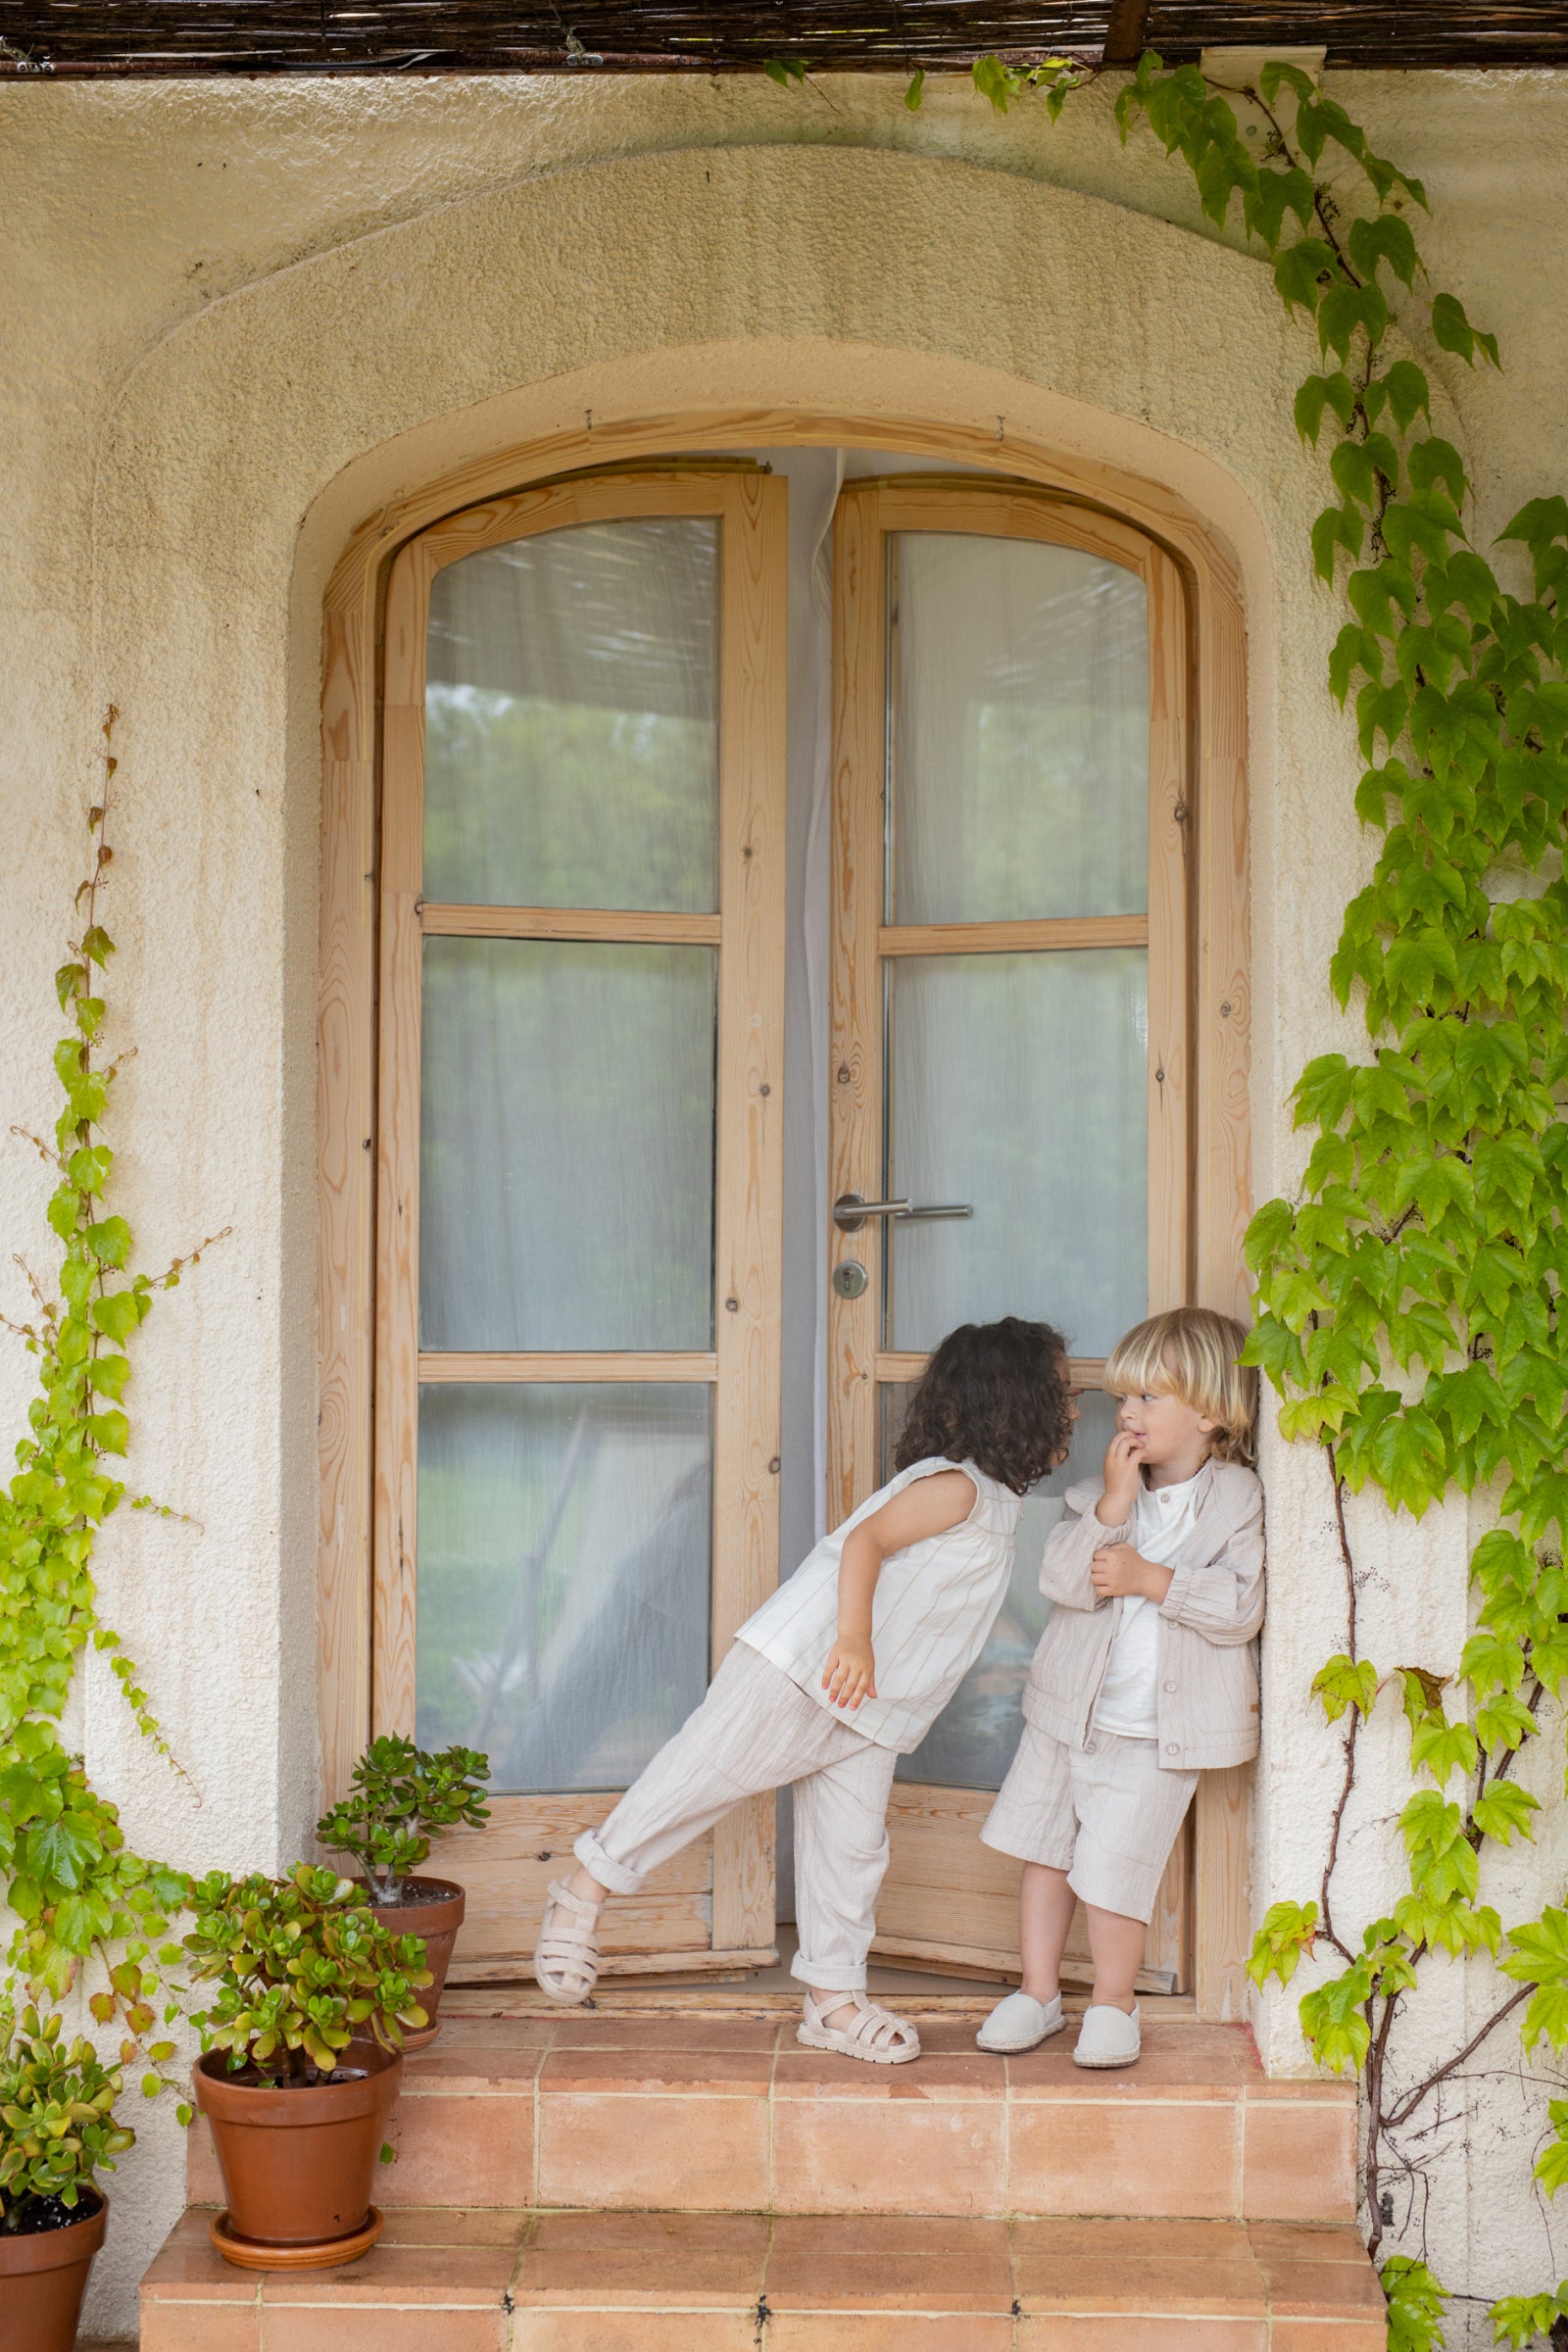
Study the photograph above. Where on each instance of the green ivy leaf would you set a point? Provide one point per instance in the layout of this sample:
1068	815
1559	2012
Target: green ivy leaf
1287	1931
1345	1683
1504	1809
1453	331
1300	268
1416	2305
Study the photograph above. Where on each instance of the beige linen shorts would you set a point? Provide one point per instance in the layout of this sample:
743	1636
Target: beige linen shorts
1105	1814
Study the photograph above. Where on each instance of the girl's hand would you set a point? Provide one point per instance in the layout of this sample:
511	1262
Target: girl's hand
1123	1457
1118	1570
850	1674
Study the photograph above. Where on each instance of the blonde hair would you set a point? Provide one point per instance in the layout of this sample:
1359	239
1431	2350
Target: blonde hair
1193	1353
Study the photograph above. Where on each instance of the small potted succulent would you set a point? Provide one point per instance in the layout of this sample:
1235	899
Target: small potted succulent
303	2059
399	1797
57	2133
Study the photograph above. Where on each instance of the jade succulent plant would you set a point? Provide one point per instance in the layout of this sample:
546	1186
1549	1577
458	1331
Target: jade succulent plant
300	1968
57	2121
399	1797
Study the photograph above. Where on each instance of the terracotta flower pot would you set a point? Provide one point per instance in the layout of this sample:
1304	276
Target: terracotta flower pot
438	1922
298	2165
43	2276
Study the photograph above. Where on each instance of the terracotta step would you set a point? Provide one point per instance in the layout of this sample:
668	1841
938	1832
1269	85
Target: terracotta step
443	2281
725	2113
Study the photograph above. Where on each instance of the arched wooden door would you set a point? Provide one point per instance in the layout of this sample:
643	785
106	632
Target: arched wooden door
1011	1044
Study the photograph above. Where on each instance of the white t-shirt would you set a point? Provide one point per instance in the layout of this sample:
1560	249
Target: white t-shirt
1129	1696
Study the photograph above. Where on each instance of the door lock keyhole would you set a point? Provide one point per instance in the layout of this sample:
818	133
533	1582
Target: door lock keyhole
850	1279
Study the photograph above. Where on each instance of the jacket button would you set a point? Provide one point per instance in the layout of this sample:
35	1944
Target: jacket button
1171	1748
1170	1686
1089	1747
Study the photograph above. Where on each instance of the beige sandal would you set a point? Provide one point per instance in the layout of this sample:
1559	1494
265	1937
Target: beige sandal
565	1958
875	2033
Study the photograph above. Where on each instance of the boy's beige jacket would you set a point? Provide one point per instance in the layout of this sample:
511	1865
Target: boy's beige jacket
1209	1625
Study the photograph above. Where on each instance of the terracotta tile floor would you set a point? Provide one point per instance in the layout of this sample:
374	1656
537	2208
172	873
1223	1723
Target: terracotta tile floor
582	2282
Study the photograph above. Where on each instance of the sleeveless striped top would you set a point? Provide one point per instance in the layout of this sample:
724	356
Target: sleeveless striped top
935	1603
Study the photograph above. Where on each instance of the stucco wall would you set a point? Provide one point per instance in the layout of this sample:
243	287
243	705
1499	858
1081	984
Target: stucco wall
239	316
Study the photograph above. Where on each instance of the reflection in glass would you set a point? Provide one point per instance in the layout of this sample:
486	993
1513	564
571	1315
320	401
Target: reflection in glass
1019	683
1019	1083
570	723
566	1140
564	1572
972	1740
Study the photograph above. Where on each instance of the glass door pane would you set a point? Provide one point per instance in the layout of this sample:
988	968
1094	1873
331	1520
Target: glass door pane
1018	1084
565	1539
566	1117
571	721
1018	732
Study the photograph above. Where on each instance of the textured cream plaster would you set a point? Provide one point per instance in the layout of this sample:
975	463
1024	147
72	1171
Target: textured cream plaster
241	317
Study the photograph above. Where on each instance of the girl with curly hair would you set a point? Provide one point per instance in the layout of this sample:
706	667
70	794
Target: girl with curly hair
839	1674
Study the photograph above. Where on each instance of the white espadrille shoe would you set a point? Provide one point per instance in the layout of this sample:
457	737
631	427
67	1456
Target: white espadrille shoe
565	1958
1108	2036
1020	2022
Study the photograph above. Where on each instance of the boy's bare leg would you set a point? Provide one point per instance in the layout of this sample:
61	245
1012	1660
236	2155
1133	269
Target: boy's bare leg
1045	1914
1116	1944
589	1888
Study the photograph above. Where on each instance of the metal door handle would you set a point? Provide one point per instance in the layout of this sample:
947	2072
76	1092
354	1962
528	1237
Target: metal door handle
850	1212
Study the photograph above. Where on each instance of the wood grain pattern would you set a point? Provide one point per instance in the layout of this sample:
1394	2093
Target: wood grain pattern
569	922
907	1364
750	1200
1050	934
345	1128
440	1365
1223	1196
855	1108
397	1291
1170	1125
940	1874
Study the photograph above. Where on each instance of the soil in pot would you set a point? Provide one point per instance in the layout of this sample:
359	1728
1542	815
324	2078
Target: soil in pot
297	2163
43	2275
432	1908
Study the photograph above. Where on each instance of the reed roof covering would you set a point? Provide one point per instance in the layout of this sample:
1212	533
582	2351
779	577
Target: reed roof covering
586	36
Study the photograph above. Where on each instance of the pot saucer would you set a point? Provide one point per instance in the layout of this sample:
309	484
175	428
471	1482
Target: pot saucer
254	2254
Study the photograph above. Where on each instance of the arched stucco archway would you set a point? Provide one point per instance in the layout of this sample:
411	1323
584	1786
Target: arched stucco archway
671	300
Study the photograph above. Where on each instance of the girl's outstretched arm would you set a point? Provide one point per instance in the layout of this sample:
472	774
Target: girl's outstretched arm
928	1507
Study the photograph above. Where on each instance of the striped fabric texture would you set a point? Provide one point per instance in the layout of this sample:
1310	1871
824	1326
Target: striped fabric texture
935	1603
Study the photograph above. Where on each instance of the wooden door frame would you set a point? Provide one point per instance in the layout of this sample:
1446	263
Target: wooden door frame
352	623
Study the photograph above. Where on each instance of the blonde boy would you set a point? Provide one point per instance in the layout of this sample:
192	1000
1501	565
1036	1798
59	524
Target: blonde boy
1145	1675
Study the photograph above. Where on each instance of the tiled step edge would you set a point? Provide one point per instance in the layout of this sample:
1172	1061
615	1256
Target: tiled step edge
515	2282
741	2119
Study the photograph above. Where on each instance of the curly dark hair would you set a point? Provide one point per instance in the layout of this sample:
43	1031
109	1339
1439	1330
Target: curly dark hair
996	1394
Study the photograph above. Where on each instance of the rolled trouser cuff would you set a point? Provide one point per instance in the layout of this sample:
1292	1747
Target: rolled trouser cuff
603	1867
829	1975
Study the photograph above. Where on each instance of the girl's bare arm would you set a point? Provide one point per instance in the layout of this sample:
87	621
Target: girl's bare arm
928	1507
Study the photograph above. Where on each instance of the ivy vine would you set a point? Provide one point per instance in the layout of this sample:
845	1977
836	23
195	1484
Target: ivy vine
80	1894
1409	1300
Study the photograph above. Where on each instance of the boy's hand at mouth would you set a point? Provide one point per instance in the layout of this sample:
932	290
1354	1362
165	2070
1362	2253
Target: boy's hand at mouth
1123	1457
850	1674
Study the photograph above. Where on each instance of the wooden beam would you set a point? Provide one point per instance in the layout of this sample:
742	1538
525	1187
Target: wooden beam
1125	34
